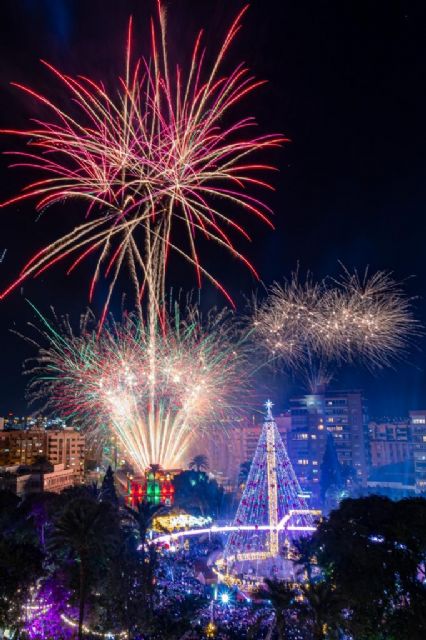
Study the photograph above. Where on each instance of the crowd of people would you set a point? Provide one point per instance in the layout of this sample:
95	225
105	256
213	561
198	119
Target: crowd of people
237	620
224	613
176	580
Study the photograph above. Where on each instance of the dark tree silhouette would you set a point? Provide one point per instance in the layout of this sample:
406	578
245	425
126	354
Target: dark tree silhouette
244	472
122	588
373	550
305	556
143	516
199	462
321	609
195	491
108	492
88	529
282	597
331	469
20	567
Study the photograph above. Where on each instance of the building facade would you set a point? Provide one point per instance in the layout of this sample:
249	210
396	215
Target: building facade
390	442
226	449
418	427
341	413
25	447
24	480
67	447
153	487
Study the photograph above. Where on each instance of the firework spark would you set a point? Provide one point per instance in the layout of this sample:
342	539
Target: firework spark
152	154
154	400
306	325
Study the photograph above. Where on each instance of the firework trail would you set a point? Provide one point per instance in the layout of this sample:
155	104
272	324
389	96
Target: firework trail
151	155
153	400
314	327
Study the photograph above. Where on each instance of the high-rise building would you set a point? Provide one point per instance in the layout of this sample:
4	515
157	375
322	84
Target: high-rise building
25	447
390	442
341	413
418	427
22	447
249	434
67	447
228	448
223	450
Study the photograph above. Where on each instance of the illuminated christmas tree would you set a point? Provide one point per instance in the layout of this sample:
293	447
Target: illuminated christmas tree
272	506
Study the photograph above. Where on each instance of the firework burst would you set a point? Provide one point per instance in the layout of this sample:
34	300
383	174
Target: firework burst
152	154
317	326
153	399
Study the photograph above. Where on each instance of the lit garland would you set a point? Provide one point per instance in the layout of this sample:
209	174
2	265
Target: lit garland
97	634
41	615
173	522
271	501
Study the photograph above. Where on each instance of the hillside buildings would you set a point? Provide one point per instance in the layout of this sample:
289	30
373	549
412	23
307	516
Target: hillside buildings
57	446
39	459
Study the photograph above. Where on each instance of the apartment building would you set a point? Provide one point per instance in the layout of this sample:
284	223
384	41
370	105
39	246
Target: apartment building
341	413
24	447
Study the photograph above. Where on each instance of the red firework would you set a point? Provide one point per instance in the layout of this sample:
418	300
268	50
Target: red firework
153	153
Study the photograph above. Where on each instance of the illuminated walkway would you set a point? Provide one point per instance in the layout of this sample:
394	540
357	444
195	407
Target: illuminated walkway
284	524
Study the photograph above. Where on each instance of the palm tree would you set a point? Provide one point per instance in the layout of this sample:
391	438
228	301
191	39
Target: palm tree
144	516
305	556
88	529
155	468
199	462
282	597
321	608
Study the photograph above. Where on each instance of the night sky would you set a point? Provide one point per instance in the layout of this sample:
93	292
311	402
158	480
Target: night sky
346	84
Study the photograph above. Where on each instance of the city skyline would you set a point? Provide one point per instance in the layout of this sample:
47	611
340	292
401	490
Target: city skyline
355	198
212	320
